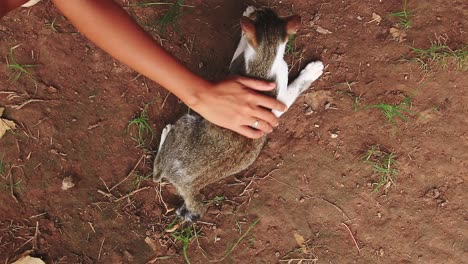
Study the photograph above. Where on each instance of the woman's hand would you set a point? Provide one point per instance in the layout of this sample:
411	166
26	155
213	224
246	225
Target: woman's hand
235	104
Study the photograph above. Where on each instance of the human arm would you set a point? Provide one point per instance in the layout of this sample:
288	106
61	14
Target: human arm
232	103
8	5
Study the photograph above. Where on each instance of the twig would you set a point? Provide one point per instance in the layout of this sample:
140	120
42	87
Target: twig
161	199
269	173
100	249
18	107
198	244
12	192
132	193
206	223
165	99
108	195
131	172
237	242
104	184
337	207
92	227
161	258
352	236
34	216
27	241
34	243
248	185
252	179
291	187
298	260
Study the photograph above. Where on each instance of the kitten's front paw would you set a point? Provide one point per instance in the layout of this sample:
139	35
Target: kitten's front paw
249	11
186	214
313	70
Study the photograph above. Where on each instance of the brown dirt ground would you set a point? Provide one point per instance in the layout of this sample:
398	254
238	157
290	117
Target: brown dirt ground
306	183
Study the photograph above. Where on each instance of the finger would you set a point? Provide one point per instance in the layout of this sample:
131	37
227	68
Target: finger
261	125
266	116
269	102
249	132
258	85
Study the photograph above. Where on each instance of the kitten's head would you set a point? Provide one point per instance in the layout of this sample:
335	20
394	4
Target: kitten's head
262	27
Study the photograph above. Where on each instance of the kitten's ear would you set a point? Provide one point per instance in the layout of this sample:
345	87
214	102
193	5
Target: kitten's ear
248	28
292	24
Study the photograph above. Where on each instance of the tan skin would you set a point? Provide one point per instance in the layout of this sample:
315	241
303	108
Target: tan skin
233	103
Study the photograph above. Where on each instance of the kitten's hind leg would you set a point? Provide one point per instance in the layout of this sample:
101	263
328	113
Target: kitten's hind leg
192	209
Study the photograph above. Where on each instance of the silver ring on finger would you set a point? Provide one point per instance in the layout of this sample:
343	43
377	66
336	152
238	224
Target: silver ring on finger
255	125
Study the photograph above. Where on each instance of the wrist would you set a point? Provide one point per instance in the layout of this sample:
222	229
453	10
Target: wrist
194	95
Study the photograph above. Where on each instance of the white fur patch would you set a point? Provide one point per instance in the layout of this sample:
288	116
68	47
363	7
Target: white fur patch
244	46
249	55
240	48
164	135
279	71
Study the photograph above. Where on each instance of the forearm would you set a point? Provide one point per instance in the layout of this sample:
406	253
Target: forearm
107	25
8	5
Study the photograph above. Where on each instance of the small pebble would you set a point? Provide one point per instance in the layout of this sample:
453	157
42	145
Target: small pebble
333	135
52	89
277	254
381	252
309	111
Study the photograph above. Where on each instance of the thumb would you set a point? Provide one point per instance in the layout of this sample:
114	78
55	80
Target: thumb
256	84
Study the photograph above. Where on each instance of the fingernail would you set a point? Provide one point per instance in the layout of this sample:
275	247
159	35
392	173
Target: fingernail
272	85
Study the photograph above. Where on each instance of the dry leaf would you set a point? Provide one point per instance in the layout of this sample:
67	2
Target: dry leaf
300	241
5	124
398	34
318	99
321	30
68	183
29	260
172	229
151	243
52	89
376	18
